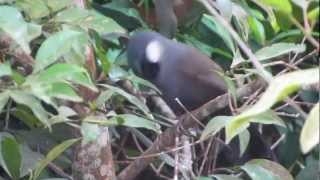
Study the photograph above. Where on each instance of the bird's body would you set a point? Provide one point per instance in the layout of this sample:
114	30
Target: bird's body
185	73
181	72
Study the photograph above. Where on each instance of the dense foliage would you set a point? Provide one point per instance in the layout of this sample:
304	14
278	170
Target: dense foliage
64	77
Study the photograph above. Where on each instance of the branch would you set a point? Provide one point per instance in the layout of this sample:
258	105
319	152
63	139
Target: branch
167	139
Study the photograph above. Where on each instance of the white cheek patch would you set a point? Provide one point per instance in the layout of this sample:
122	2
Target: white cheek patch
154	51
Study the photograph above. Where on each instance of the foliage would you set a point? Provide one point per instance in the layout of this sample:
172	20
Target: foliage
54	37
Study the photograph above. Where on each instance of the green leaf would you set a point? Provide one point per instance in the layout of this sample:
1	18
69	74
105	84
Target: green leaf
310	171
52	155
29	160
275	170
55	5
129	120
214	26
18	78
88	20
4	97
309	137
279	49
313	15
34	104
257	172
268	117
56	46
257	30
143	82
12	23
4	135
63	91
225	177
225	8
214	126
244	139
282	6
10	151
100	52
24	114
134	100
65	72
35	9
279	88
104	97
122	12
5	69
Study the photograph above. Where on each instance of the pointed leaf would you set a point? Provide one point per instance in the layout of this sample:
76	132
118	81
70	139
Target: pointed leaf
11	155
214	126
12	23
309	137
52	155
279	49
5	69
279	88
56	46
129	120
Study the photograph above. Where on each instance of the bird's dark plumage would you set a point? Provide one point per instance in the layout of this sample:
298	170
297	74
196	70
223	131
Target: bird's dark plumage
182	71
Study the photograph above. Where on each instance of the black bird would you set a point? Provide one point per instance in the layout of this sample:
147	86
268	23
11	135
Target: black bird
179	71
182	72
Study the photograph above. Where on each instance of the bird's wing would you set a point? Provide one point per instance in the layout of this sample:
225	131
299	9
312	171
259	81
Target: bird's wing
206	73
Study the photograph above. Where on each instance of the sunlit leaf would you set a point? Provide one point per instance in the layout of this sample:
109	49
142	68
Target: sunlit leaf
12	23
66	72
214	126
55	5
313	15
5	69
56	46
280	87
283	5
4	97
129	120
52	155
309	137
279	49
257	30
88	19
34	8
225	8
63	91
34	104
225	177
244	139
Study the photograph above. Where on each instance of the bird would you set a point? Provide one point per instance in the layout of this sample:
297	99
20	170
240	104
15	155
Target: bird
184	74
